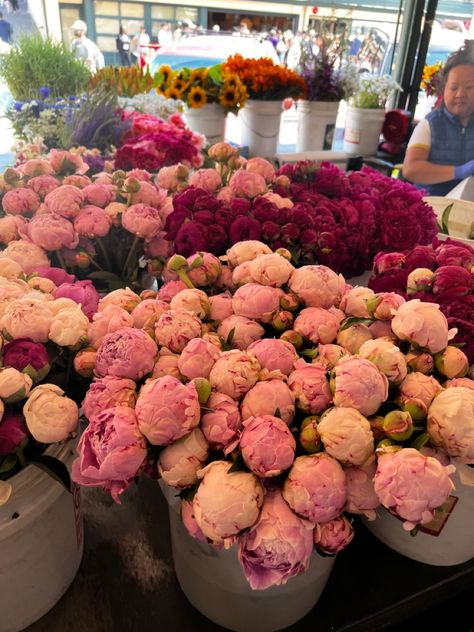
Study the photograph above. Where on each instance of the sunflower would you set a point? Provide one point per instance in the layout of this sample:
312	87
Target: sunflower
228	96
197	97
231	81
172	93
198	75
164	73
180	85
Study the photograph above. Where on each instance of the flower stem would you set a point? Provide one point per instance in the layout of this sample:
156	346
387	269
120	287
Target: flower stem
131	252
62	263
104	253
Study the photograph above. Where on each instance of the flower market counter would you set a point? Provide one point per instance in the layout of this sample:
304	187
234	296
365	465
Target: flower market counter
127	583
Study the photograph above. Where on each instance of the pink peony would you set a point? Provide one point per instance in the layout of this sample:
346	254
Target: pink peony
256	301
357	383
352	338
246	251
204	269
178	464
277	547
234	373
220	307
261	166
81	292
29	256
27	318
273	270
422	324
384	305
346	435
309	385
65	200
51	232
197	358
333	536
267	445
189	521
12	270
317	286
149	310
387	357
171	177
329	355
451	422
65	162
207	179
317	325
270	397
222	423
126	352
20	202
170	289
192	300
354	301
92	221
167	410
316	487
111	451
123	297
460	381
240	331
274	355
174	329
149	195
106	322
9	228
361	496
99	194
416	393
36	167
241	274
224	503
108	392
411	485
42	185
247	184
452	362
142	221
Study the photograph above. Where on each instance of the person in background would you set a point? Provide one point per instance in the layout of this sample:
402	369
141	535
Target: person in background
123	47
5	30
440	152
85	49
165	35
140	48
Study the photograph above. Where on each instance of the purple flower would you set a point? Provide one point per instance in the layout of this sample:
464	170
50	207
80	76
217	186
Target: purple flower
12	432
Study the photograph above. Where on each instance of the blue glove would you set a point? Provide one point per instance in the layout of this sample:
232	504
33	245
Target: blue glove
464	171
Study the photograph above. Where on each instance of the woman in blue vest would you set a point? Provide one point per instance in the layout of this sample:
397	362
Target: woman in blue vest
441	150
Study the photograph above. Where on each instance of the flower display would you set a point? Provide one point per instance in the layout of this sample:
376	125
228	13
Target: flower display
373	91
431	78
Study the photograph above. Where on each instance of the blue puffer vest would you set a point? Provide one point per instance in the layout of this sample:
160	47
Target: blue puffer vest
451	144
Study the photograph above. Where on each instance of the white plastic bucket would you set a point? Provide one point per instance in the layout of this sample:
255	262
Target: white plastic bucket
260	122
41	543
448	540
362	130
214	583
208	120
316	124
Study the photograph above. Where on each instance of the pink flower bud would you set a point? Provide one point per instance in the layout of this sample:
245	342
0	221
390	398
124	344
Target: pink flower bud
267	445
452	362
333	536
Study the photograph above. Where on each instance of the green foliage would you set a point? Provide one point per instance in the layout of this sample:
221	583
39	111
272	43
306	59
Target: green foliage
36	62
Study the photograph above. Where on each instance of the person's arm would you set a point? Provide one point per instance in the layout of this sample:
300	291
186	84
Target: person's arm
417	168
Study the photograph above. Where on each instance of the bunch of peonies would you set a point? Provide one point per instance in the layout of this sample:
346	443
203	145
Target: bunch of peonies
320	213
280	400
441	274
108	228
44	322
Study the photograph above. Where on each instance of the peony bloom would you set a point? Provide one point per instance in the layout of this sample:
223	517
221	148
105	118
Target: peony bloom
65	200
329	355
142	221
51	232
27	318
316	487
352	338
273	270
204	269
411	485
234	373
27	356
240	332
451	422
384	305
124	298
354	301
174	329
65	162
167	364
99	194
14	385
167	410
42	185
460	381
422	324
84	362
453	281
9	228
416	393
420	280
108	392
317	286
317	325
111	452
29	256
420	361
220	307
361	496
50	417
274	355
189	521
247	184
246	251
270	397
226	503
207	179
387	260
126	352
346	435
81	292
222	423
57	275
179	463
69	327
310	386
10	269
20	201
12	433
195	301
92	221
241	274
333	536
256	301
106	322
387	357
197	358
277	547
149	310
267	445
357	383
452	362
261	166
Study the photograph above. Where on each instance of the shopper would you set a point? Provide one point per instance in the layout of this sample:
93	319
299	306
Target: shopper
140	47
123	47
84	48
440	152
5	30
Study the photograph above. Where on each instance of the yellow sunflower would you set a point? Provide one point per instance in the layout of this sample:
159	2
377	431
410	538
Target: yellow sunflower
198	75
165	73
172	93
228	96
197	97
180	85
231	80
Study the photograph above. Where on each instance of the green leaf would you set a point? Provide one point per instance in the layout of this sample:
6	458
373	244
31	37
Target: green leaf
238	465
8	463
55	468
215	74
420	441
197	262
445	219
355	320
277	413
231	335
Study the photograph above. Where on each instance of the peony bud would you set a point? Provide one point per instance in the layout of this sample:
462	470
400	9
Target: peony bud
420	361
452	362
398	425
82	260
289	301
146	294
154	267
203	388
420	280
293	337
131	185
84	362
309	437
282	321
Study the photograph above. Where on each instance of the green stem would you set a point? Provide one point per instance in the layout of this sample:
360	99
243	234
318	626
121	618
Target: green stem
96	265
131	252
183	275
61	260
104	253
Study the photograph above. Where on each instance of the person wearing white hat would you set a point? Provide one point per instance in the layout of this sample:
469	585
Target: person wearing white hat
84	48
